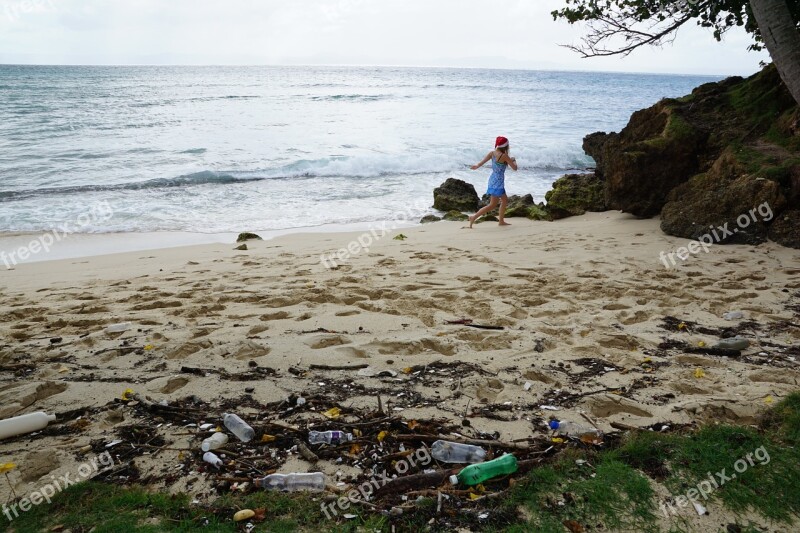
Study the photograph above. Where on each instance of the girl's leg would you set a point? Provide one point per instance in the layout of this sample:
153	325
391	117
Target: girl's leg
480	213
503	205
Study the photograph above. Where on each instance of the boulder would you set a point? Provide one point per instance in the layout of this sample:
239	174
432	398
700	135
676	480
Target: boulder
427	219
455	216
726	194
575	194
455	195
658	150
247	237
785	229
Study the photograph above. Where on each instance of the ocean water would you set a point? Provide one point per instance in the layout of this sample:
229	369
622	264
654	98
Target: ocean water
227	149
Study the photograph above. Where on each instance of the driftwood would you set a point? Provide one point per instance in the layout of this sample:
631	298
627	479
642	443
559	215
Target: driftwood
343	367
304	450
422	481
713	351
462	440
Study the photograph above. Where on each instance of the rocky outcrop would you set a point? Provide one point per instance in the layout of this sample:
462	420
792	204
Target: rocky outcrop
522	207
724	197
455	195
455	216
785	230
427	219
575	194
709	159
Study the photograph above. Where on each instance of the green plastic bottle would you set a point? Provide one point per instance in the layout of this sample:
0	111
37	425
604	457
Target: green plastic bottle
478	473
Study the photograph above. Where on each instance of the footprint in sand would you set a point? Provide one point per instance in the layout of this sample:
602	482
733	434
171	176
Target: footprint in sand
348	313
605	406
36	465
251	350
174	383
325	341
190	348
350	352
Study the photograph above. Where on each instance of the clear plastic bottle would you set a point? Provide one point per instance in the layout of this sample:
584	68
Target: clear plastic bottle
328	437
238	427
476	474
212	459
585	434
217	440
314	482
118	328
455	452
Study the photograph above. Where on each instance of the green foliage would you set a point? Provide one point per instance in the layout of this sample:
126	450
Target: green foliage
656	16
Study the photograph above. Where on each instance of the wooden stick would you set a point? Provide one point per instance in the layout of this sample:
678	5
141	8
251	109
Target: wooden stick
462	440
342	367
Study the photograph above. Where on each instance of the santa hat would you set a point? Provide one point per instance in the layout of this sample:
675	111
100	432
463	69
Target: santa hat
501	142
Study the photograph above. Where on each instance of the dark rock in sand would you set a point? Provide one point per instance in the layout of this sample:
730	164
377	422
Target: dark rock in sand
429	218
455	216
455	195
242	247
487	218
726	194
248	237
575	194
785	229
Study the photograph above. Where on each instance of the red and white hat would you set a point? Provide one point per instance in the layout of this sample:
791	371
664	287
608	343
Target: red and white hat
501	142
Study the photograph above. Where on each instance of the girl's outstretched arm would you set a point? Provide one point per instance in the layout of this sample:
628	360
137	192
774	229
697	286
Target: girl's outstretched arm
510	160
483	162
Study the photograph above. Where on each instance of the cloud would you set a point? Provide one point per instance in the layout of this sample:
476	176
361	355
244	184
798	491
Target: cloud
479	33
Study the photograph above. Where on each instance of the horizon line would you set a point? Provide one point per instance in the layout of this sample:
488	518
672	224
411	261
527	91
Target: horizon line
367	65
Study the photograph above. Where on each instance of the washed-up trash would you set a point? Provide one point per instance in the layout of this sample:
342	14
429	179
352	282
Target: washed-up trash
215	441
549	408
328	437
733	315
583	433
478	473
19	425
7	467
314	482
700	509
734	343
244	514
455	452
212	459
118	328
527	385
699	373
238	427
333	413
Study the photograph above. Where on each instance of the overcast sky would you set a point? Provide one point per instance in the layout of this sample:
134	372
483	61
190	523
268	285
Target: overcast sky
470	33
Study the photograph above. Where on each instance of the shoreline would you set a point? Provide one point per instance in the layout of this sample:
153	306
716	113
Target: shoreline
84	245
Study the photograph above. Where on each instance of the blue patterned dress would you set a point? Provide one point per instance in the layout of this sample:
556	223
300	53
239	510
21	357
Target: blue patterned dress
497	185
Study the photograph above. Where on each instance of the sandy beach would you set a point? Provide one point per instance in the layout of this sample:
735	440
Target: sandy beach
592	323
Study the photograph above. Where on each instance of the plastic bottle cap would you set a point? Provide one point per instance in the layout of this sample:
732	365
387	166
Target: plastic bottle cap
454	480
554	424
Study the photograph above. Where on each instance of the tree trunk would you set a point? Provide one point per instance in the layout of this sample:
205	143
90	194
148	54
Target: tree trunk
782	40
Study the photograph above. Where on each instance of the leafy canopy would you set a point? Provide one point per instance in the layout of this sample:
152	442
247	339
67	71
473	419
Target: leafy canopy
621	26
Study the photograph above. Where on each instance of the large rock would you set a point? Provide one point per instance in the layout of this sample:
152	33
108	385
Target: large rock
455	195
575	194
521	207
785	230
658	150
726	196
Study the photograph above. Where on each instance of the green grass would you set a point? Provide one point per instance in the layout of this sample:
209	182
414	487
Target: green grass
613	487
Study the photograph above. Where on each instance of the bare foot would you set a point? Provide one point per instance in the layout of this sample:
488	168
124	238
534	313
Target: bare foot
471	221
504	223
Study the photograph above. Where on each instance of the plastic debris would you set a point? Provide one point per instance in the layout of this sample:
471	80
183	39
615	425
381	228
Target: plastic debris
478	473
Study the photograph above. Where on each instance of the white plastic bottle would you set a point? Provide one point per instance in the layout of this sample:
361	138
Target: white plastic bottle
118	328
238	427
328	437
217	440
314	482
571	429
212	459
20	425
455	452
